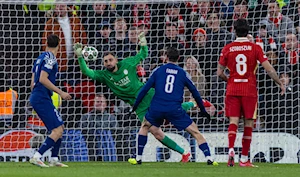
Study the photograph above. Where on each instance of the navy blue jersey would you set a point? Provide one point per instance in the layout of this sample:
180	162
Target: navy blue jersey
169	81
45	62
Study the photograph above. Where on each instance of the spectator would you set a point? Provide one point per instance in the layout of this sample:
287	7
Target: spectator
69	29
264	40
141	12
143	27
100	13
120	42
191	65
207	56
133	40
173	16
169	39
217	36
8	99
290	9
278	25
297	19
241	11
291	49
260	12
227	7
102	42
199	14
100	117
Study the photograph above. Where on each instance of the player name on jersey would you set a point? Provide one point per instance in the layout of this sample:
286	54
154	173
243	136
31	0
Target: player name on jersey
171	71
240	48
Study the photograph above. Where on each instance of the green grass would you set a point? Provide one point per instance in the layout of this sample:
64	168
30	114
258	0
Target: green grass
122	169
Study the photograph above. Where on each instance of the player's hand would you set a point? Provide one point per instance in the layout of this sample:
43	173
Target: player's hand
78	49
142	39
65	96
283	88
204	114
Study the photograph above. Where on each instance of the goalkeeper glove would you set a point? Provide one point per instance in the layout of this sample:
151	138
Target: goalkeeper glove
142	38
78	49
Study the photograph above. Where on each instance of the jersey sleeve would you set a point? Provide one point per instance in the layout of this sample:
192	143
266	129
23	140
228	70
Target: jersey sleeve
135	60
149	84
261	57
48	64
93	74
34	67
223	58
190	85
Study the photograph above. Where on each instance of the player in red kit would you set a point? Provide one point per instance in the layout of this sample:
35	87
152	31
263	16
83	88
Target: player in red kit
241	57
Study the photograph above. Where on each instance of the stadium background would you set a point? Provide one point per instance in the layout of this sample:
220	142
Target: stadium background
110	136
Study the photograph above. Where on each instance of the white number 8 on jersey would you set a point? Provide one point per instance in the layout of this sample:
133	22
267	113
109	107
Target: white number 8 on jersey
169	84
241	65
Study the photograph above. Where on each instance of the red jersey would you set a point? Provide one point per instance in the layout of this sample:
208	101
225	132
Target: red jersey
241	57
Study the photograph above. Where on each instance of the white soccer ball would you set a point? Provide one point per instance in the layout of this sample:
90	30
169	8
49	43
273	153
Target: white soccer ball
90	53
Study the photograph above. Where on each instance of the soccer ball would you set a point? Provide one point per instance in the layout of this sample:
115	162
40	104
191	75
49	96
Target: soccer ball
90	53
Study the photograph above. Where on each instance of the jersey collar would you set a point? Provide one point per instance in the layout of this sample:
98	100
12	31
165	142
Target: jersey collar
242	39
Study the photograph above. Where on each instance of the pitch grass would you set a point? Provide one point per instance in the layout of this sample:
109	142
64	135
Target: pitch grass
123	169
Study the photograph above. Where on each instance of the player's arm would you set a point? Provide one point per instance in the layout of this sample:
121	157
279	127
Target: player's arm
220	72
82	64
273	74
142	54
149	84
48	84
32	82
222	64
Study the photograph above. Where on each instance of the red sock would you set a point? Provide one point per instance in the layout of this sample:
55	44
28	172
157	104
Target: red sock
246	141
231	135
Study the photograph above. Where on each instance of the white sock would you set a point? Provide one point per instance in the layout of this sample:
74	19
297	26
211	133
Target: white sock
185	152
231	150
139	157
37	155
54	159
244	158
209	158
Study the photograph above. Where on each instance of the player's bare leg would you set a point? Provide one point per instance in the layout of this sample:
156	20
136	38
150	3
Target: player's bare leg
194	131
55	135
246	141
232	129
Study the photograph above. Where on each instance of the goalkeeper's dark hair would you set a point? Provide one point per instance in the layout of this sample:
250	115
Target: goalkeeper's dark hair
241	27
105	53
52	40
172	54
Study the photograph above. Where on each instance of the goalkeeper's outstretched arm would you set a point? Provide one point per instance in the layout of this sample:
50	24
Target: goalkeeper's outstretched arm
83	67
142	54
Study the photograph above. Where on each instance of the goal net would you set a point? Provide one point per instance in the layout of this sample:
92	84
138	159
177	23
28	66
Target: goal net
98	126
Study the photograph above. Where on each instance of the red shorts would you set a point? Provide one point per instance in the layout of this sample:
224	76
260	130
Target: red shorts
238	106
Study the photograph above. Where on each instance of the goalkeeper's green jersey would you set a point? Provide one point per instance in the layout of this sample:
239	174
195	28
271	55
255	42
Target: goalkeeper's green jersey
124	83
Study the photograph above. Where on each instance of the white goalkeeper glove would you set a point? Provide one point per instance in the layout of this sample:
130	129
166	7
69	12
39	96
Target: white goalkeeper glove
78	49
142	39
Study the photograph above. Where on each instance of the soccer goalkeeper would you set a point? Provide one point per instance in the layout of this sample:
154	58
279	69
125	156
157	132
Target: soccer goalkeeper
122	79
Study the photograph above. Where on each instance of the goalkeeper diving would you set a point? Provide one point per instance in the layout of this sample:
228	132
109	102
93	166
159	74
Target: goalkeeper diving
121	77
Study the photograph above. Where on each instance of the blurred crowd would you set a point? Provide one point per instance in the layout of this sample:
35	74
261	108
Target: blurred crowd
199	29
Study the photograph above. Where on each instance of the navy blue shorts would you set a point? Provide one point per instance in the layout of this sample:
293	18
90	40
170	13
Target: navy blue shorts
47	113
179	118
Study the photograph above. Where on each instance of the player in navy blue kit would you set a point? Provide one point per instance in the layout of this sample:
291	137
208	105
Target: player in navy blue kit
169	81
42	85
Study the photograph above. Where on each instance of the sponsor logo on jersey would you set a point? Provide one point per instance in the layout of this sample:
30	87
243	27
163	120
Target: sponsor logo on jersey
123	81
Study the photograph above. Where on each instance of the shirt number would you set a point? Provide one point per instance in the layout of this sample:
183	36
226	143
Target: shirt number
241	65
169	84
